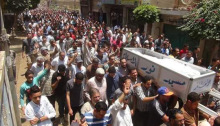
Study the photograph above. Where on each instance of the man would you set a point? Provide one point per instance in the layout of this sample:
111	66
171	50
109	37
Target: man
91	69
196	51
145	95
120	111
45	54
159	107
62	44
28	49
123	68
175	53
176	117
90	105
53	49
38	66
134	75
31	81
78	67
74	95
190	110
61	59
214	65
39	111
110	63
59	80
45	82
159	41
188	58
100	116
184	51
98	82
112	79
68	40
101	57
44	42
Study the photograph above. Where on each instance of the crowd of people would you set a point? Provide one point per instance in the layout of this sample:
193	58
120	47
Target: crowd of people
77	63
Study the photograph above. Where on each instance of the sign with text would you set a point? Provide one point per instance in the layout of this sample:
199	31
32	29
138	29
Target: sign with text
131	57
149	68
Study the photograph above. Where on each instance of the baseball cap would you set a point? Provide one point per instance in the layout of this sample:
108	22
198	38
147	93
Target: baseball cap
164	91
79	60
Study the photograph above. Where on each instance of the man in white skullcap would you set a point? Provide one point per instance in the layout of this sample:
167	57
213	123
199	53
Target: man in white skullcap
98	82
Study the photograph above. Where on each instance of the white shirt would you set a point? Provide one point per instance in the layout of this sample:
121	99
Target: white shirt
120	117
74	69
44	109
56	62
101	86
36	69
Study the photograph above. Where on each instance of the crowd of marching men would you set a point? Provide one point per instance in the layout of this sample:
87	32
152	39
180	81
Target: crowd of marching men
77	63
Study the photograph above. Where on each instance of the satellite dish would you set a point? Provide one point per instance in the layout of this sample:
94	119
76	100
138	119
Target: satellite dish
186	2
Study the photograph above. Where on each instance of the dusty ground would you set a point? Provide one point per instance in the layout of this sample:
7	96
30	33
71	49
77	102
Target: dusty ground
16	44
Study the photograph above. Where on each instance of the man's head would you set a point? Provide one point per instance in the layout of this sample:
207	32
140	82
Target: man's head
100	110
44	38
111	71
133	73
61	56
79	78
185	46
123	63
62	69
192	100
196	50
95	63
44	51
111	59
189	55
164	94
29	75
40	61
79	62
95	95
47	62
217	121
100	51
29	35
74	44
217	78
35	94
176	117
99	74
176	52
52	42
147	81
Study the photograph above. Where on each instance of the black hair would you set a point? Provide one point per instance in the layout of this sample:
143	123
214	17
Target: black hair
131	68
111	69
34	89
214	59
28	72
193	97
146	78
101	105
172	113
79	76
61	68
122	80
217	121
95	60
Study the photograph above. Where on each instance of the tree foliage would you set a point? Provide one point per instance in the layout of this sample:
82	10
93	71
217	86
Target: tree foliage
146	14
203	21
18	6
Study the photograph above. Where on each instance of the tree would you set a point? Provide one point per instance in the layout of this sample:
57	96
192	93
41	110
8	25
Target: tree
146	14
203	21
18	6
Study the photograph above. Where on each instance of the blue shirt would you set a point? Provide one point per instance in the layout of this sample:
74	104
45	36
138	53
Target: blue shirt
93	121
112	84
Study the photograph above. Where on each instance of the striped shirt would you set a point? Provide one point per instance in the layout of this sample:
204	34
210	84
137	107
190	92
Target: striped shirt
141	92
93	121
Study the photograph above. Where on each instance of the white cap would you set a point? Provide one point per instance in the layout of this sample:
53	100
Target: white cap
100	71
